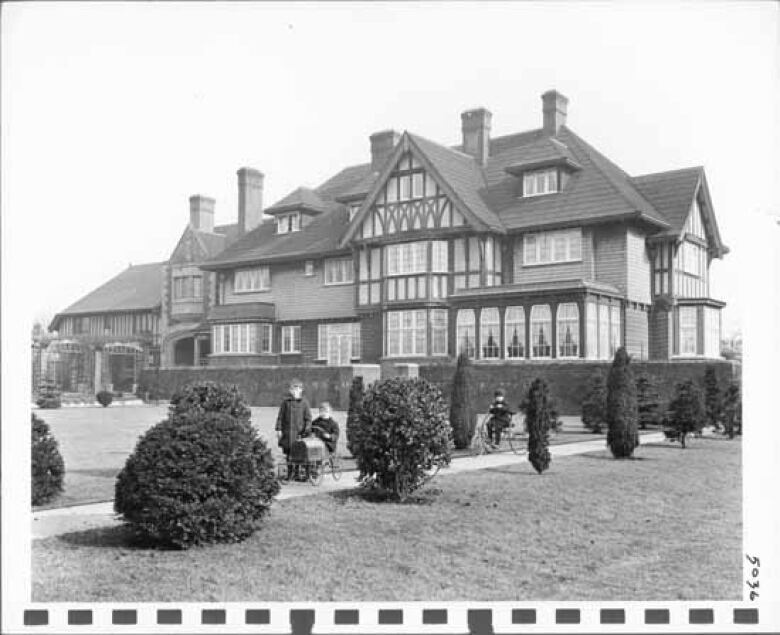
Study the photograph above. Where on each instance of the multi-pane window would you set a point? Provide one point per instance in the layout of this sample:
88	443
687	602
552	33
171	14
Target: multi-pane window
661	269
514	332
406	333
690	264
544	248
540	182
369	275
241	338
187	288
339	271
687	331
603	331
291	339
489	335
308	268
255	279
477	262
438	331
592	330
405	258
286	223
338	342
568	330
439	256
465	327
711	332
541	329
614	330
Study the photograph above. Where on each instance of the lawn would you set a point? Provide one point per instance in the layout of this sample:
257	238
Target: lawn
95	442
666	526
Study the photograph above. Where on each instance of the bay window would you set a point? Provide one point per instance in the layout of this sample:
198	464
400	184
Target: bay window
465	327
406	333
687	329
568	330
541	329
514	332
438	331
489	334
592	330
711	332
245	338
614	330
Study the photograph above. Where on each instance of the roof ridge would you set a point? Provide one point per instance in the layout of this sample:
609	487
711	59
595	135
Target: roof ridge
693	168
460	153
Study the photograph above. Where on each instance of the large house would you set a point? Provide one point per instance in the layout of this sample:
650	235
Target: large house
530	246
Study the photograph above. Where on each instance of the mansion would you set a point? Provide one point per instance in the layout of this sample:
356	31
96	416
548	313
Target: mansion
525	247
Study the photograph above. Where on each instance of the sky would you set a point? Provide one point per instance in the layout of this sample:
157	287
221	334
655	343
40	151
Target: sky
113	115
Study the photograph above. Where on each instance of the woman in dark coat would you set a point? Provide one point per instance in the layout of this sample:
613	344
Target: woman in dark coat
294	418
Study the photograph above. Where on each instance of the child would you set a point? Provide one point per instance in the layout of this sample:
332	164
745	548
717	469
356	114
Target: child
294	419
326	428
501	417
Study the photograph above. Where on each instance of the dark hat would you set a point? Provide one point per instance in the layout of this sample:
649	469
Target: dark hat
499	392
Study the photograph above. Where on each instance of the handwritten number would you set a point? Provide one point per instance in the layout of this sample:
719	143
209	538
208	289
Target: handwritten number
752	585
753	595
754	573
752	560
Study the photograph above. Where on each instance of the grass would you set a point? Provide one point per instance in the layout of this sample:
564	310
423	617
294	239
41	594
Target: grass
666	526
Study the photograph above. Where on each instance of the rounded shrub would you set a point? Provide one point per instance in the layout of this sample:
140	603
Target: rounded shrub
104	398
356	392
594	406
48	468
686	410
48	395
404	435
622	410
463	417
201	476
540	417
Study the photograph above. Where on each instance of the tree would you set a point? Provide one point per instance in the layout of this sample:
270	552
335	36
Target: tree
622	411
463	417
686	410
356	392
48	468
713	401
594	407
732	410
648	402
404	435
539	418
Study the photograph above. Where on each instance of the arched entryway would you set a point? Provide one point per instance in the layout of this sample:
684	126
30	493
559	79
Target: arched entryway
184	352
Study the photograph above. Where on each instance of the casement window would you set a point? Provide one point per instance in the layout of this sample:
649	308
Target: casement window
406	258
688	332
291	339
439	256
308	268
339	271
249	280
241	338
187	288
489	335
338	343
439	332
711	332
406	333
286	223
540	182
514	332
541	331
614	330
369	276
465	327
552	247
592	329
603	331
568	330
474	257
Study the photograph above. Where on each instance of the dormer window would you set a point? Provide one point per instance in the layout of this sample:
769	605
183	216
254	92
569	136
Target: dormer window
286	223
540	182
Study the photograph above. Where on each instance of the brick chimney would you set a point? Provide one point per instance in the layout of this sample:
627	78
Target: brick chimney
475	125
382	144
554	107
250	199
202	213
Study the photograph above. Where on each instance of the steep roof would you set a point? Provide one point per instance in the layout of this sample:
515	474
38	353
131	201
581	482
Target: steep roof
212	243
300	198
137	288
671	192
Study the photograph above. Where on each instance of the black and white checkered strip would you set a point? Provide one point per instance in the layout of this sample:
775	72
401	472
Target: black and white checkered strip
477	618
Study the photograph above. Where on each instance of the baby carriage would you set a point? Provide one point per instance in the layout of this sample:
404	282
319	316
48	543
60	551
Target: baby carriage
309	458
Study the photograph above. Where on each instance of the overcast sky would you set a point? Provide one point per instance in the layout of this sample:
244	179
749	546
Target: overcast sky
114	114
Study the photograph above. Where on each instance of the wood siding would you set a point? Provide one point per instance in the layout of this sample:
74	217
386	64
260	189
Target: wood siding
583	269
637	332
299	297
609	244
637	268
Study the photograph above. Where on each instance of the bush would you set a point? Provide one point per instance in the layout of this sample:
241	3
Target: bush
48	395
686	410
622	411
48	468
203	475
404	434
104	398
594	406
732	410
713	404
356	392
648	402
540	416
463	418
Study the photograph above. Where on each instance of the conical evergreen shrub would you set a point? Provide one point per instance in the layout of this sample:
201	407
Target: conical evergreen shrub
686	410
713	401
48	468
622	411
594	407
539	418
356	393
463	417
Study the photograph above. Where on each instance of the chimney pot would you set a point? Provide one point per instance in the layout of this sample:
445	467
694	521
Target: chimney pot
250	199
382	145
202	213
475	126
554	107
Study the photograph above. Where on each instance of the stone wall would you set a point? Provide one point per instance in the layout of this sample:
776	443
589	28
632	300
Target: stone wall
568	379
265	386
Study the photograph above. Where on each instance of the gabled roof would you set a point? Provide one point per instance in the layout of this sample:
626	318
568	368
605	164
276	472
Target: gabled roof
212	243
302	198
546	151
229	231
137	288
